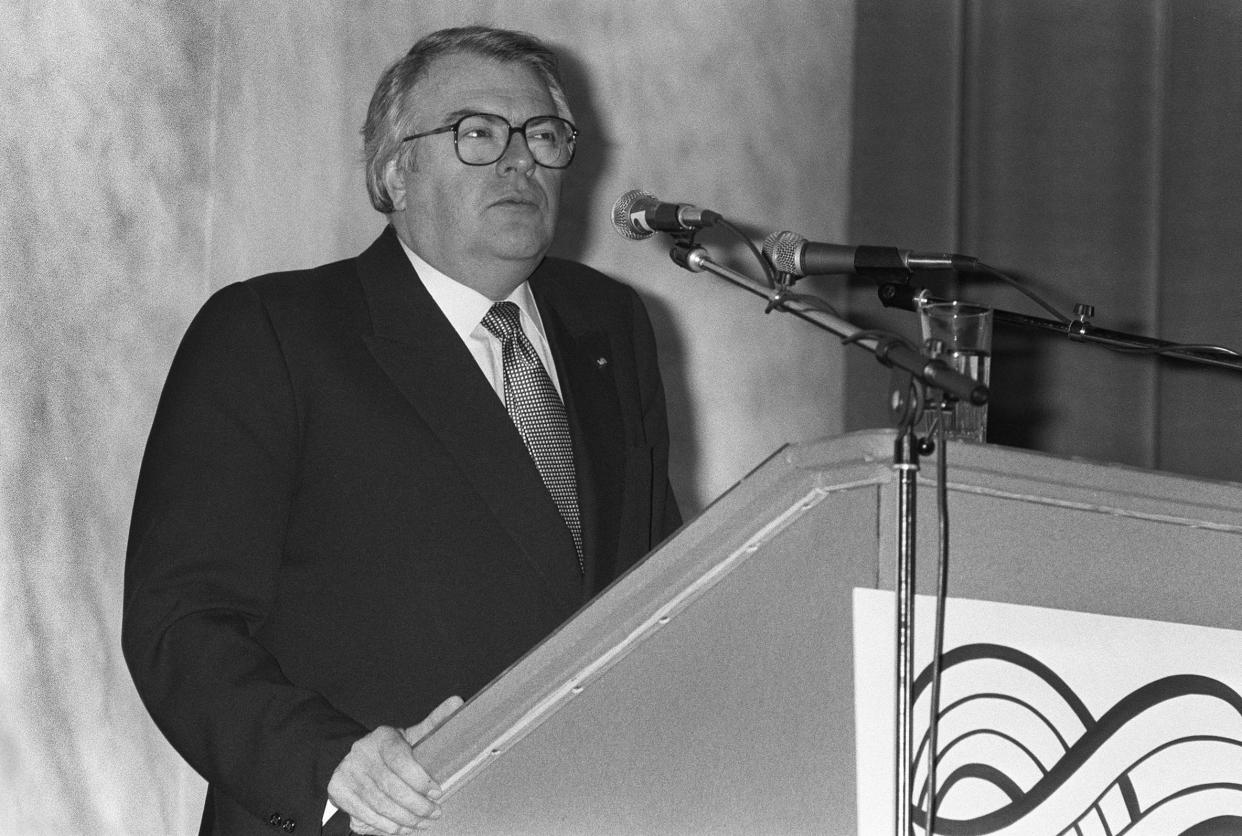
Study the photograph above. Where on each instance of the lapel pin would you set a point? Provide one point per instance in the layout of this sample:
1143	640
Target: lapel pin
601	362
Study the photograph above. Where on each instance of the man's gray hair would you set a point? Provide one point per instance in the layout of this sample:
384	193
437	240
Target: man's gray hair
391	114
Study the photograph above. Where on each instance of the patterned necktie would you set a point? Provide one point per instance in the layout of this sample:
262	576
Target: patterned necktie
538	413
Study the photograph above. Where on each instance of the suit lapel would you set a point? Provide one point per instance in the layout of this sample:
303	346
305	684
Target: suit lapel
584	364
420	352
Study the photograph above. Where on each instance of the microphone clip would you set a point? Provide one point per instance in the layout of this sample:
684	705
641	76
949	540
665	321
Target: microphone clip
901	294
684	246
776	301
782	290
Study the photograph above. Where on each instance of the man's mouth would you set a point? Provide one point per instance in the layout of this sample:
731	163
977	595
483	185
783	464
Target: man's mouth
518	201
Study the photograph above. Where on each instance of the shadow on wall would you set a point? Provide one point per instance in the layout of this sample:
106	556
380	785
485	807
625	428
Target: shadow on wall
575	236
575	231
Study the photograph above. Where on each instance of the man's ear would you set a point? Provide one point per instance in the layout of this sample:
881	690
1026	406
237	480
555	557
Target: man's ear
394	182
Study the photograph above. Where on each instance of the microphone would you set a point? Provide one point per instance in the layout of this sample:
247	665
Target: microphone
789	252
637	214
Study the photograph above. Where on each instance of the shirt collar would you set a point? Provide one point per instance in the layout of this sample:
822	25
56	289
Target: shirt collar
464	306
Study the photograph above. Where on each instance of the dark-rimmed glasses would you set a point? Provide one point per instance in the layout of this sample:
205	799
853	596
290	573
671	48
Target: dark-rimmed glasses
483	138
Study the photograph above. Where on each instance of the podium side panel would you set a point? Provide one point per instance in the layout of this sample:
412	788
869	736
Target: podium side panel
735	717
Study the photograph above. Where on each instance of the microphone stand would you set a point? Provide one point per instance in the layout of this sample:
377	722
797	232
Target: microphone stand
1080	329
893	352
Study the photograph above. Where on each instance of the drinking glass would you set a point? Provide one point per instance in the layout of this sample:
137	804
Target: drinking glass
959	334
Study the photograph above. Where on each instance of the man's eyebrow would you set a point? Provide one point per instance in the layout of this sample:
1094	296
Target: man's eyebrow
453	117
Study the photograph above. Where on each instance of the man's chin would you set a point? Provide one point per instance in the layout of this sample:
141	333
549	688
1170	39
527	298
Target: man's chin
520	242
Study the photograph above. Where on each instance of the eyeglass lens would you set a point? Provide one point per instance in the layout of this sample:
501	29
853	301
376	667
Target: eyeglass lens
482	139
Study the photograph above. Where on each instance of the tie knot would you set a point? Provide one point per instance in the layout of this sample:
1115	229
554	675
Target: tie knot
503	319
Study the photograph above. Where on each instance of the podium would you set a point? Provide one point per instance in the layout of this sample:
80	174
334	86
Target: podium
712	688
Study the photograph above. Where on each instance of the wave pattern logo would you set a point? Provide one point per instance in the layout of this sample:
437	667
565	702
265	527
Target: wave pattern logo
1020	753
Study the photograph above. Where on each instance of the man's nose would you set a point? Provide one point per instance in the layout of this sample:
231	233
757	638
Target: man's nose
517	153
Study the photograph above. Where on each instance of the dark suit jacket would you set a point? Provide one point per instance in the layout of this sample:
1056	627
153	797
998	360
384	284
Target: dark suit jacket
337	525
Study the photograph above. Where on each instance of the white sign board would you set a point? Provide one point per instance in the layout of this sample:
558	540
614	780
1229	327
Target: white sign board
1055	722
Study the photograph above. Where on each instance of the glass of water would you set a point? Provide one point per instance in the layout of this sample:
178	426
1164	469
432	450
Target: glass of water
960	334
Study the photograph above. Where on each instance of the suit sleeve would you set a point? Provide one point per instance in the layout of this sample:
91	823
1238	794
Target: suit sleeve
665	514
205	550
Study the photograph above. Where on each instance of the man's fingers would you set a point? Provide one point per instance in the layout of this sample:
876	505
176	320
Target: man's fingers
381	786
374	823
361	828
372	812
433	720
398	811
406	782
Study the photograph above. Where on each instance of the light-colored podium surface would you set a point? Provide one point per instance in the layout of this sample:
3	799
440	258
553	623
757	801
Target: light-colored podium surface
712	689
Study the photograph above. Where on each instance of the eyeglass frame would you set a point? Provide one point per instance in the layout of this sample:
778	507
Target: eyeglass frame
513	129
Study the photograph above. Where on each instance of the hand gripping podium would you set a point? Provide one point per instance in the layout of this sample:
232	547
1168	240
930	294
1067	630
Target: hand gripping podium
712	688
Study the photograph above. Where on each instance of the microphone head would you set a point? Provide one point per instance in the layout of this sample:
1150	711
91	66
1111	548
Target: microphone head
784	251
622	209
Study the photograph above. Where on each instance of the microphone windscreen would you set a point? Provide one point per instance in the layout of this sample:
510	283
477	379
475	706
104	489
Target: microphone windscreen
784	250
621	221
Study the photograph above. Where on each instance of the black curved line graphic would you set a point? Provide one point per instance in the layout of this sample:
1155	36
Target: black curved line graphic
1000	781
1043	770
1220	785
1127	709
1096	807
920	753
1217	826
1007	785
999	652
1168	744
1099	814
983	772
1013	656
1076	827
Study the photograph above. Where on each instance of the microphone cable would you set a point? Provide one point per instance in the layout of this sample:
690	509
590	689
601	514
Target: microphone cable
942	595
768	271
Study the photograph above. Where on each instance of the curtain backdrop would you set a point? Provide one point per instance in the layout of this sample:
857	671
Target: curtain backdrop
1089	148
153	152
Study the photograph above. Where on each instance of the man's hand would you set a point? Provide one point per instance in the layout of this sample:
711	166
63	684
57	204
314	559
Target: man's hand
380	784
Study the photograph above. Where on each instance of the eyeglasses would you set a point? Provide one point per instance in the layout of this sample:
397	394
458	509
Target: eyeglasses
483	138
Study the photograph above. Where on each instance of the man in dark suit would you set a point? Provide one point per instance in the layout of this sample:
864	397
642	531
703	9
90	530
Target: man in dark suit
338	524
